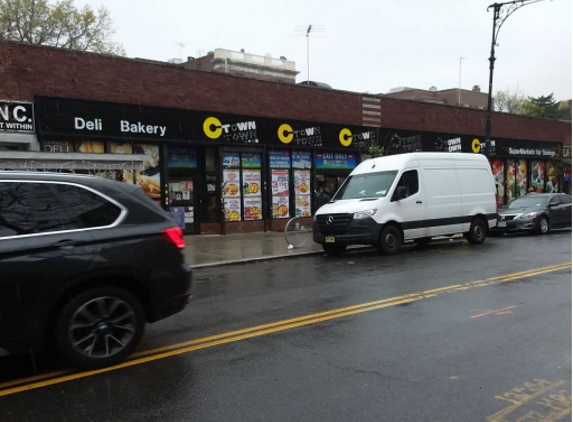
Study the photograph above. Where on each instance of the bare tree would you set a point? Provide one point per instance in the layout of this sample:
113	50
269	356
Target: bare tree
58	24
510	102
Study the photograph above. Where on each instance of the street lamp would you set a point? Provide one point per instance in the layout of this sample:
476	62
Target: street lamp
501	11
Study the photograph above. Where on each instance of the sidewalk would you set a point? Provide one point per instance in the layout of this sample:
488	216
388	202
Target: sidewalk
215	250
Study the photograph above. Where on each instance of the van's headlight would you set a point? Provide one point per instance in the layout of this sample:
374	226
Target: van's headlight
527	216
364	214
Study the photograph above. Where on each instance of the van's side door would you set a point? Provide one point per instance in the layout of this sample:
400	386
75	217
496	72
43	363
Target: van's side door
411	208
443	200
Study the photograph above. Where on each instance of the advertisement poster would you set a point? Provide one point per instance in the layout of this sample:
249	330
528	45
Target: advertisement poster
251	183
178	215
251	161
302	182
231	183
552	178
280	207
279	159
335	161
521	178
90	147
180	191
150	178
302	205
189	215
232	209
58	146
231	161
301	160
510	186
498	170
280	182
182	158
253	208
537	176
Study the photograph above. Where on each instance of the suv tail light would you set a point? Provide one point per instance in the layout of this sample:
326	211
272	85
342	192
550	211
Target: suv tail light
175	236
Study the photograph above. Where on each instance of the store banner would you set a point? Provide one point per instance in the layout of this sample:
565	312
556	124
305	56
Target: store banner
301	160
17	116
251	161
251	183
537	180
281	207
182	158
231	183
280	182
232	209
335	161
231	160
279	159
253	208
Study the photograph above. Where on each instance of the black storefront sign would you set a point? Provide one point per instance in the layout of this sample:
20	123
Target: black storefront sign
17	117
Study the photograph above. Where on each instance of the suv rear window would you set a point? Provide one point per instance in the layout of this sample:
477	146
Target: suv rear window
27	208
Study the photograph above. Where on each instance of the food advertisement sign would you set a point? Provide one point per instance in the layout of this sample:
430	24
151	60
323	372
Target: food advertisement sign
280	182
302	182
537	176
251	161
521	178
510	186
280	207
251	183
232	209
302	205
231	183
90	147
335	161
279	159
149	179
497	168
231	161
552	178
253	208
301	160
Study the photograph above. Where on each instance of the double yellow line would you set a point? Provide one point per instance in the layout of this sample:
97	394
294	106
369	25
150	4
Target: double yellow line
57	377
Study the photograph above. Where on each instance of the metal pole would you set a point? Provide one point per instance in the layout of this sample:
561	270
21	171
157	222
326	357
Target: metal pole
460	84
496	8
308	54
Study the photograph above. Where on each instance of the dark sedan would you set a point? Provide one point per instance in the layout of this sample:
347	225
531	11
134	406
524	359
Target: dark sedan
537	213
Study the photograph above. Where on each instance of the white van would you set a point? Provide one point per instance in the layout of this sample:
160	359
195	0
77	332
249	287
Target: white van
416	196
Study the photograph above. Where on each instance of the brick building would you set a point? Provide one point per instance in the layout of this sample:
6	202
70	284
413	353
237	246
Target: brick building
226	153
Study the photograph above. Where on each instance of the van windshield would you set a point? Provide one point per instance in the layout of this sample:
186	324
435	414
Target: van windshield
369	185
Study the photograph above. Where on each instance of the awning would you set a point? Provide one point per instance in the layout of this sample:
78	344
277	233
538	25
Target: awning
73	161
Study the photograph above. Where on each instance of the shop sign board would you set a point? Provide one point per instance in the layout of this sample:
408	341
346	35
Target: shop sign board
17	116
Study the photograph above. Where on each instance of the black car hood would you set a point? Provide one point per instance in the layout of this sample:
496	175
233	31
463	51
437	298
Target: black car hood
520	210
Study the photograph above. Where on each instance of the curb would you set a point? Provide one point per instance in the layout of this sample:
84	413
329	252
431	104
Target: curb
266	258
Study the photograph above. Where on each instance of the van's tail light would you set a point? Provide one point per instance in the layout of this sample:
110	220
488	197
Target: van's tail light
175	236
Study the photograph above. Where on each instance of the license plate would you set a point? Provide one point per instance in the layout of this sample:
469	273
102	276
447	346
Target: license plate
501	224
329	239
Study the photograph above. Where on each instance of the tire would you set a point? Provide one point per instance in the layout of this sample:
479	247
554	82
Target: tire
109	324
542	226
333	249
390	240
423	242
477	233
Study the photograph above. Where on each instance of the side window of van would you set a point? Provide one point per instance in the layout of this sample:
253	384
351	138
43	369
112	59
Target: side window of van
409	180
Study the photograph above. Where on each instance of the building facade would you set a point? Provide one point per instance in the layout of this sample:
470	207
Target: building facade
225	153
455	97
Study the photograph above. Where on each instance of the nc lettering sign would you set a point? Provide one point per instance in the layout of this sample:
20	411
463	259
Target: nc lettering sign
16	117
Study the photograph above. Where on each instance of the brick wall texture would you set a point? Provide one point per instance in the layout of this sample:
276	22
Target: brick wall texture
34	70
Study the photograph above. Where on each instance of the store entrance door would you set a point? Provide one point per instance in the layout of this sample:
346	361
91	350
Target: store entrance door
183	183
326	185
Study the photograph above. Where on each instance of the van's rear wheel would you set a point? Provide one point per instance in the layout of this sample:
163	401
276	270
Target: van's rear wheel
390	240
477	233
333	249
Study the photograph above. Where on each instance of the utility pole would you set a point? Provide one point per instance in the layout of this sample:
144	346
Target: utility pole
308	54
501	11
460	84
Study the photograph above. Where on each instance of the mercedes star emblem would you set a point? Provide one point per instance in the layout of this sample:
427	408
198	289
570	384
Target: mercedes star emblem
330	219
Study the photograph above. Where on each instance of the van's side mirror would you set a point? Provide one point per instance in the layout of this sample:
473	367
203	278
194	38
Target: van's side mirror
400	193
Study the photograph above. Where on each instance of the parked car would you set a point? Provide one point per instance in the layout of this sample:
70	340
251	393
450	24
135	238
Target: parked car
84	263
417	196
535	212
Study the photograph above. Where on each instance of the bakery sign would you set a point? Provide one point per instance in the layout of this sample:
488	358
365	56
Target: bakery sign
16	117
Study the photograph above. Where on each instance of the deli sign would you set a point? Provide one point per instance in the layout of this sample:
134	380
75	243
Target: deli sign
16	117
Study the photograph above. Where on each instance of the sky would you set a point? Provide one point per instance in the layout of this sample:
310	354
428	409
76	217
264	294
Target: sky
365	45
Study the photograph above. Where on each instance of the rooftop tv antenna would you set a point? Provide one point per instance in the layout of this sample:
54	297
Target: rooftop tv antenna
308	29
181	45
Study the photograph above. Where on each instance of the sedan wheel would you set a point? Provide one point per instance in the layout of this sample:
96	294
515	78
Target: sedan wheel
543	225
100	327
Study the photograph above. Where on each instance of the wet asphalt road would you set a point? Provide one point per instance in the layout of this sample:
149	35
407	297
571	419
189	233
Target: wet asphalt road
442	357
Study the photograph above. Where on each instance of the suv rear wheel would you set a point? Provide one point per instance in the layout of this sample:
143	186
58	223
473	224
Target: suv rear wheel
100	327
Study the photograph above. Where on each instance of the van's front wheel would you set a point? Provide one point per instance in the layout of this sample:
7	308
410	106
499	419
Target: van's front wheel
477	233
390	240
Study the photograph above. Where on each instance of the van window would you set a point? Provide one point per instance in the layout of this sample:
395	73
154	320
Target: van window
409	180
368	185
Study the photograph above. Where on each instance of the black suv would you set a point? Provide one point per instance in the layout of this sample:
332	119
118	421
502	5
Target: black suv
84	262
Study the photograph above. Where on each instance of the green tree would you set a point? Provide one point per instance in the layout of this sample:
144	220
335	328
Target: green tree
510	102
58	24
543	106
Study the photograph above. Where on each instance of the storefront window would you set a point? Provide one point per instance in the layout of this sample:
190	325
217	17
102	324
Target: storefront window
280	163
182	164
498	170
552	178
537	177
231	191
252	193
510	184
302	163
521	178
212	210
